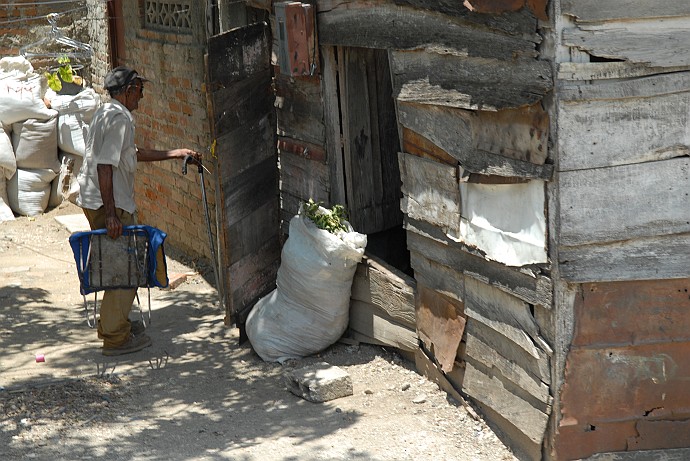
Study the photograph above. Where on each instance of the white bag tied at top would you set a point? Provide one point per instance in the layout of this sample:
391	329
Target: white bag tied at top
29	191
309	309
21	92
35	143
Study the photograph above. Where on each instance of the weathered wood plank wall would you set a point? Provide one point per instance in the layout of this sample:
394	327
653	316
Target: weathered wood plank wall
624	226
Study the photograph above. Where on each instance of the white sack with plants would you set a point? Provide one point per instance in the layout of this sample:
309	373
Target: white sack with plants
309	309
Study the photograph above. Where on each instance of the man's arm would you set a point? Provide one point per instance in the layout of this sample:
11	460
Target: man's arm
152	155
105	182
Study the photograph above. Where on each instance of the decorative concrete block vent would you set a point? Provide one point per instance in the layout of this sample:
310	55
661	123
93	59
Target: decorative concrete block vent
320	382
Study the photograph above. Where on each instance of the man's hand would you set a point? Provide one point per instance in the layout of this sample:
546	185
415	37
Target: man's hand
182	153
114	226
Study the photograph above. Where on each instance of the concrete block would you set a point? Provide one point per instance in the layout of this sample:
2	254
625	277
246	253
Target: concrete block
320	382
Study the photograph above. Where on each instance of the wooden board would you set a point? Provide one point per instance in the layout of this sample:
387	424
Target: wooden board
456	80
303	178
443	279
651	258
644	87
331	108
609	70
642	41
452	130
376	323
532	288
385	287
596	10
489	391
595	134
299	109
377	24
430	192
596	205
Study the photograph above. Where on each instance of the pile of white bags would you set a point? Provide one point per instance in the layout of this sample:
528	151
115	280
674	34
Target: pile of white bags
309	309
39	146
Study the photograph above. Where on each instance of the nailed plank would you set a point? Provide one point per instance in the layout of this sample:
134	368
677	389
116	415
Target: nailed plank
490	392
640	41
376	323
252	232
299	109
507	314
452	130
430	192
303	178
609	70
377	24
596	10
455	80
443	279
596	206
331	107
645	87
416	144
245	193
383	286
594	134
530	287
651	258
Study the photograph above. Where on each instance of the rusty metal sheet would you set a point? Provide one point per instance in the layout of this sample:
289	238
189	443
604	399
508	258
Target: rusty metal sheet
441	324
626	382
538	7
626	313
581	440
660	434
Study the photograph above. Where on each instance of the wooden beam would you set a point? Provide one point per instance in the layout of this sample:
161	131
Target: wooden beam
596	10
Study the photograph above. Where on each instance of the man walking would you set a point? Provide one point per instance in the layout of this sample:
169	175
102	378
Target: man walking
106	194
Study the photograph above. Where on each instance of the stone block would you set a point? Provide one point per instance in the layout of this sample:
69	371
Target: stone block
320	382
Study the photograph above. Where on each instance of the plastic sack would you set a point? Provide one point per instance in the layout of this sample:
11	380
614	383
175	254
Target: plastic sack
21	93
7	161
309	309
5	210
35	144
28	191
75	114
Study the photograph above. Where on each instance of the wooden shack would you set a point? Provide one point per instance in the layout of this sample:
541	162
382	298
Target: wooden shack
521	170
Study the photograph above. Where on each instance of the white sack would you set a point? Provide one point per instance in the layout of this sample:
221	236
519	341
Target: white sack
309	309
66	179
84	103
5	210
21	98
7	161
75	115
35	144
72	131
29	191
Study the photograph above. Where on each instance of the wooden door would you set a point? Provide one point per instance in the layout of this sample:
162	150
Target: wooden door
244	128
370	140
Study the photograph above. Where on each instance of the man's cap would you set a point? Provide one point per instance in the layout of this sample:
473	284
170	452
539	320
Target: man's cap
120	77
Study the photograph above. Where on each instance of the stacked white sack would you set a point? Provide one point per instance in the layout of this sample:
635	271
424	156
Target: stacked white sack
29	191
21	92
35	144
8	166
75	113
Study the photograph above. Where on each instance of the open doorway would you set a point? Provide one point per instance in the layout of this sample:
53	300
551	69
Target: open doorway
370	152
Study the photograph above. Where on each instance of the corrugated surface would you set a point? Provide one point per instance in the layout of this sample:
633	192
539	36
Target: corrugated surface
626	380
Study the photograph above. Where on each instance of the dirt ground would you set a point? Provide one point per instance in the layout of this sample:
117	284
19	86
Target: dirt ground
196	394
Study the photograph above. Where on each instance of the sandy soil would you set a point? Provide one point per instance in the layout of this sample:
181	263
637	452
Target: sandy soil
196	394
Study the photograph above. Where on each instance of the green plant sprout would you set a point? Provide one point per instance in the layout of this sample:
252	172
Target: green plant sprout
63	73
332	220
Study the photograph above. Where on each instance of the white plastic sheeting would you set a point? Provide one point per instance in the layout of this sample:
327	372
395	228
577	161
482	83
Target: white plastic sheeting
506	221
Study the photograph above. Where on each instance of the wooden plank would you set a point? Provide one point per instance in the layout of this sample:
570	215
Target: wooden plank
302	149
303	178
246	193
596	205
443	279
514	378
530	287
416	144
596	10
641	41
426	367
609	70
252	232
430	192
241	53
452	131
375	323
299	109
506	314
377	24
456	80
387	288
440	325
331	109
645	87
652	258
489	391
595	134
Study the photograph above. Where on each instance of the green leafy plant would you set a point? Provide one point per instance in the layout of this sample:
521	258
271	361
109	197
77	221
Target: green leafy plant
332	220
64	73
